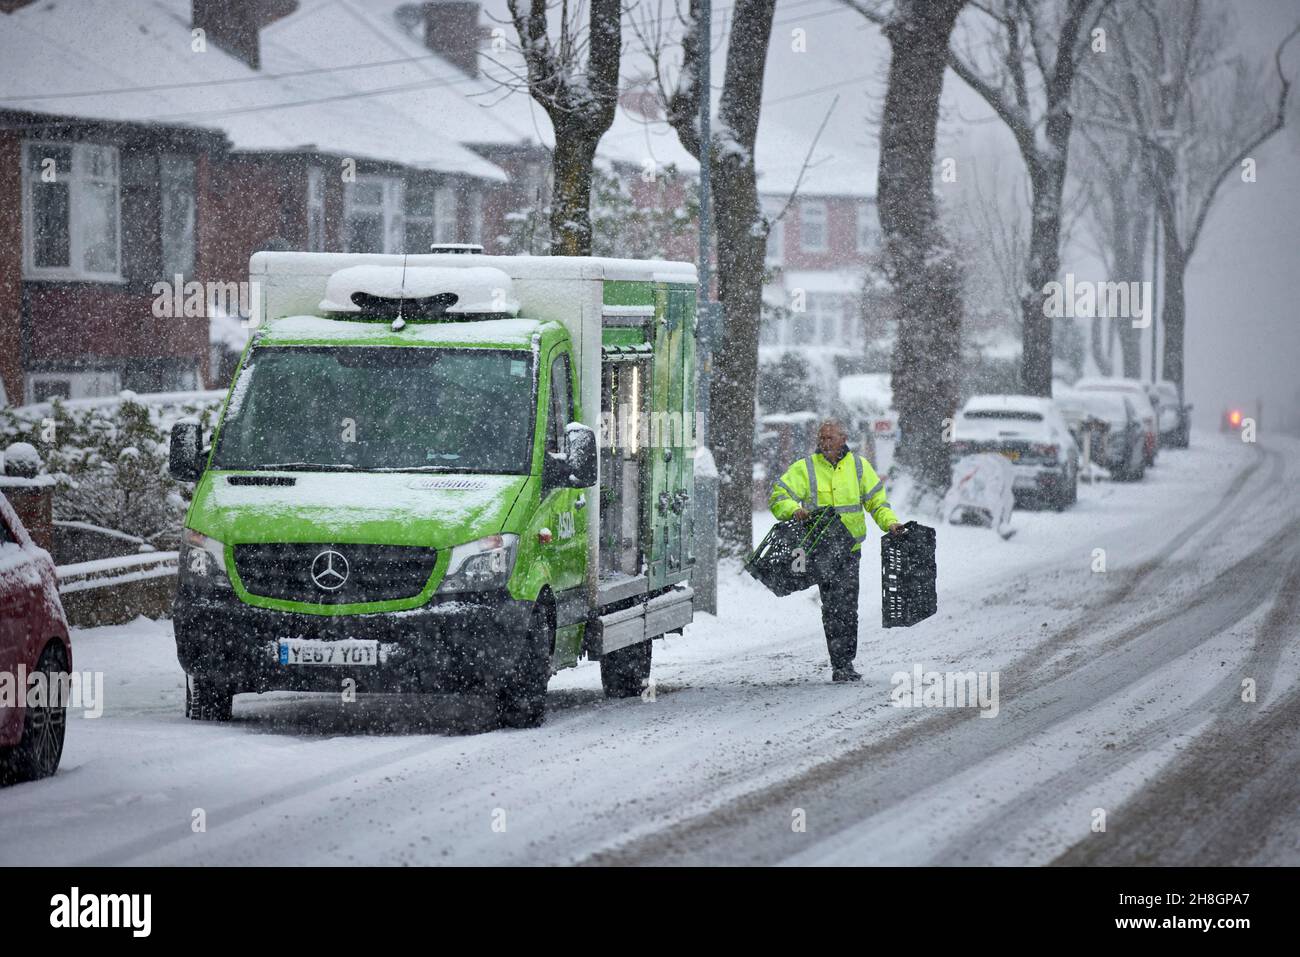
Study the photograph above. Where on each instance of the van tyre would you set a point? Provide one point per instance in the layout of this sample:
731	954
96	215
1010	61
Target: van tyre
207	698
626	673
39	750
521	695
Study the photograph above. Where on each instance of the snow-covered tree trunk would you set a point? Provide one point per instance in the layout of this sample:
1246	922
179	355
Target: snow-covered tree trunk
581	104
919	264
741	243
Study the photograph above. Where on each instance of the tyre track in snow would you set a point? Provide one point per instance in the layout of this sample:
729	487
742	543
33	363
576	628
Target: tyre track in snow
1235	789
756	828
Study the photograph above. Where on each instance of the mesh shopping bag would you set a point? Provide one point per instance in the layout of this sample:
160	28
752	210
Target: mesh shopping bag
796	555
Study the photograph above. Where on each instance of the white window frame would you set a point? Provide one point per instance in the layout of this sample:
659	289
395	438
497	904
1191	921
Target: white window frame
807	206
446	215
867	229
476	217
82	384
192	252
391	208
77	178
316	210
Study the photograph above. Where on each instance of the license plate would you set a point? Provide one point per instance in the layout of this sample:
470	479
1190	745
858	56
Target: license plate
1011	454
345	653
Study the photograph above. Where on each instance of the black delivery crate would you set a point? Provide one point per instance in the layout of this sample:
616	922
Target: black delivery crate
907	577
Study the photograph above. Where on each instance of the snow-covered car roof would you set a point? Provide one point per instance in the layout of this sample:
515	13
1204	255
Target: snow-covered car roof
1108	406
1131	387
1030	404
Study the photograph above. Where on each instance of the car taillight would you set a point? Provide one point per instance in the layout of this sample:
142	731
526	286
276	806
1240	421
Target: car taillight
961	448
1048	452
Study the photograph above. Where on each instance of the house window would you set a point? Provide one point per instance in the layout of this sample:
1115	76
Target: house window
176	177
373	217
44	386
826	318
315	210
812	226
420	215
476	217
445	209
866	228
71	211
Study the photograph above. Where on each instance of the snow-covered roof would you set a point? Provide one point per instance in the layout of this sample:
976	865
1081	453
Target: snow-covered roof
335	78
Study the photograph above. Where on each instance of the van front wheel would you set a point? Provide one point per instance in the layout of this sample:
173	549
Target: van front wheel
521	697
626	673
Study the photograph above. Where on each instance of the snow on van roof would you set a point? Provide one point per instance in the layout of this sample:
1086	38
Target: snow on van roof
478	289
516	267
316	330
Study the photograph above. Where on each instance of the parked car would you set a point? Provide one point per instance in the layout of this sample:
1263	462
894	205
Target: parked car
1175	417
1119	444
1030	431
1136	390
33	639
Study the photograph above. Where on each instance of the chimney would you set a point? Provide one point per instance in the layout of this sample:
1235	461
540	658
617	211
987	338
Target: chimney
234	25
451	30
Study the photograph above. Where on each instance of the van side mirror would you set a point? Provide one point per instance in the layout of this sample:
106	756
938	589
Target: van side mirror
185	456
581	442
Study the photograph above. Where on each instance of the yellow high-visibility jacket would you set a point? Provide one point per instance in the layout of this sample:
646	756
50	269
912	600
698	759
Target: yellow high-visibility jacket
852	486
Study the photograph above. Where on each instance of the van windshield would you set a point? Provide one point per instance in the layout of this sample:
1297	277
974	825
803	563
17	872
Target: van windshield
380	409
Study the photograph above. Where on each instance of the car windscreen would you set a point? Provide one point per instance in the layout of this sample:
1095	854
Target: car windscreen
380	409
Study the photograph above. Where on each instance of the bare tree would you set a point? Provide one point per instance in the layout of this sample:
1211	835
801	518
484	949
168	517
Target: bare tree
1021	56
1198	117
741	230
579	99
1110	172
920	264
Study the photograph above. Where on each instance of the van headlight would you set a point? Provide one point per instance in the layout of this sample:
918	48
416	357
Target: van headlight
481	565
201	564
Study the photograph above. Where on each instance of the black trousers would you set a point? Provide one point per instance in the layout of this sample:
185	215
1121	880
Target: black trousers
839	593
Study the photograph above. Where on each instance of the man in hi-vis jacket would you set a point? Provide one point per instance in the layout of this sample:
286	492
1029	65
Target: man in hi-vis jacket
836	476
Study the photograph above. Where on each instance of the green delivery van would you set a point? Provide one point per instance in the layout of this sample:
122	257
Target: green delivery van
442	473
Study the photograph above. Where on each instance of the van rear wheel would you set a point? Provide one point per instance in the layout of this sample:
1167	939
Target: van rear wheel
626	673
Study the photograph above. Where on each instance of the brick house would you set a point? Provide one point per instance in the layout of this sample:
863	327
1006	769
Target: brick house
179	146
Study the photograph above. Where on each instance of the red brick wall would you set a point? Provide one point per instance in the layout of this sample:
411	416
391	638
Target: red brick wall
842	234
11	262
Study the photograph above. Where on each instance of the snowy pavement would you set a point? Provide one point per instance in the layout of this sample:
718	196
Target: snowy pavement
1120	695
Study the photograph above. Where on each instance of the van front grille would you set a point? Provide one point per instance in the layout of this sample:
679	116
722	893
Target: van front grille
334	574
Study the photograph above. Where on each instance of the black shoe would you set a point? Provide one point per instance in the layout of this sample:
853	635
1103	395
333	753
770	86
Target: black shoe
845	674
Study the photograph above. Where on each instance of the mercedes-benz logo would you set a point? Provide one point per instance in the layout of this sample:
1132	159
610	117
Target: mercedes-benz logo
329	570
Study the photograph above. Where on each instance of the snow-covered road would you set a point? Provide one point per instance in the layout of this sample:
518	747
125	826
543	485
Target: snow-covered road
1120	692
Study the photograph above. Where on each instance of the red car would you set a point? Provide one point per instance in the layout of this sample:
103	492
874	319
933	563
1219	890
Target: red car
33	639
